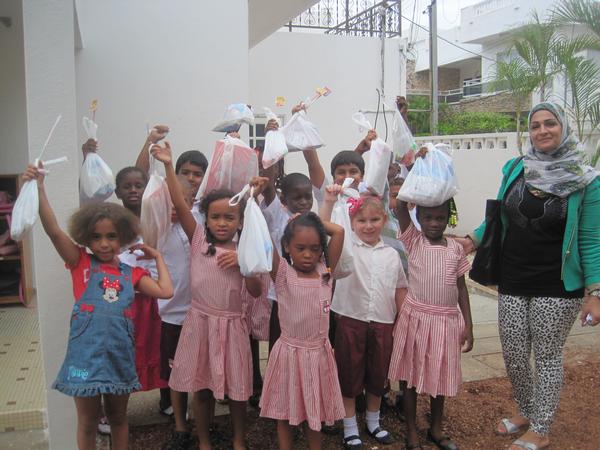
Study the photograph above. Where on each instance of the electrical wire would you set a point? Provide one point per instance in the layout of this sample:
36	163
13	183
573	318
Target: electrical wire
450	42
451	22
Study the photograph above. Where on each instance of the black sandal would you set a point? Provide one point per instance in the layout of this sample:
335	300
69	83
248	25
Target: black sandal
385	439
349	446
443	442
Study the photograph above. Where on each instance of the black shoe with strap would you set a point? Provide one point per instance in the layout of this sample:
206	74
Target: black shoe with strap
442	442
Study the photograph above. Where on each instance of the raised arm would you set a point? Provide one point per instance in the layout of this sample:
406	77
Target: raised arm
315	169
65	247
157	133
186	218
163	286
331	196
336	243
365	144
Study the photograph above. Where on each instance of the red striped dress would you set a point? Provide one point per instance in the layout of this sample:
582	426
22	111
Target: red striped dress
426	351
301	381
214	349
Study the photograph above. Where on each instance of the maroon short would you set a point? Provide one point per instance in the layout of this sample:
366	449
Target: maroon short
362	352
169	338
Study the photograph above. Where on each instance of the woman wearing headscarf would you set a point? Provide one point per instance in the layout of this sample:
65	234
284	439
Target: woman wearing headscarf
550	266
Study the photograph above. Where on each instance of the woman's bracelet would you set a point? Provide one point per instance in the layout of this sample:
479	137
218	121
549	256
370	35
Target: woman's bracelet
594	293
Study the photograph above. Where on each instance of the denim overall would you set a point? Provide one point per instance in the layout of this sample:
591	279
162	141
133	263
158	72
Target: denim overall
100	356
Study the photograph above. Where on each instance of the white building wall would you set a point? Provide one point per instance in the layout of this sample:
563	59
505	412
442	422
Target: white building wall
447	53
160	62
293	65
13	119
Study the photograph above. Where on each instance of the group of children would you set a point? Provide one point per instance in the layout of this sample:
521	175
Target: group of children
385	324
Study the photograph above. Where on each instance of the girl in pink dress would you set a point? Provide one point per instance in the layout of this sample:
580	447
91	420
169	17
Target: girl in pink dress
431	329
213	357
301	381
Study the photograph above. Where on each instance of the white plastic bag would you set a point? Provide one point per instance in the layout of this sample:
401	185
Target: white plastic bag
96	181
340	215
155	217
432	179
378	164
235	115
402	138
275	146
25	210
232	165
362	122
255	247
301	134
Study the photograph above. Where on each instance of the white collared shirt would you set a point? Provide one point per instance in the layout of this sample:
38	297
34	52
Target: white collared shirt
369	293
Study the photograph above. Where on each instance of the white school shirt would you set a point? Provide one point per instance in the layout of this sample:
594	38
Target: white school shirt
368	294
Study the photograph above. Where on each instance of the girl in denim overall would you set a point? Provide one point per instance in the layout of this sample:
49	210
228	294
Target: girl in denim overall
100	358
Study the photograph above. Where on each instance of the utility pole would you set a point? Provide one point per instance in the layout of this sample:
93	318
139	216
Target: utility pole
433	65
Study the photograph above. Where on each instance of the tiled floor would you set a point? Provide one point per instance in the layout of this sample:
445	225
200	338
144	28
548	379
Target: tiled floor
22	397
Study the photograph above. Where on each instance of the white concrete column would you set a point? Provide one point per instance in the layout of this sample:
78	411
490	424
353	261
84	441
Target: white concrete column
48	38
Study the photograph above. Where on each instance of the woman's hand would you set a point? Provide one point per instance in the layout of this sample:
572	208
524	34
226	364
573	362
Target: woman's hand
591	306
466	243
149	252
34	173
227	260
163	154
89	146
466	340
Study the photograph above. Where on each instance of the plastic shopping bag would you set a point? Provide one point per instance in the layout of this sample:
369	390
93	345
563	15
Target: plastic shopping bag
275	146
300	134
96	181
233	164
25	210
155	217
378	165
340	215
362	122
432	179
235	115
255	247
402	139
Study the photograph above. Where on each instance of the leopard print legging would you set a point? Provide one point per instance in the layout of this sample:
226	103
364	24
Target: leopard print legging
541	323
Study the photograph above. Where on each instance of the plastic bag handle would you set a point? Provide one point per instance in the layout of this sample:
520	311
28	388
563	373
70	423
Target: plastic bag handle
240	195
362	122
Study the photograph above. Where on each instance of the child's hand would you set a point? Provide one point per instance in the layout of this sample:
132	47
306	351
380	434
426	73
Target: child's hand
259	184
299	107
365	145
89	146
234	134
272	125
422	152
149	252
227	260
331	193
163	154
466	340
157	133
34	173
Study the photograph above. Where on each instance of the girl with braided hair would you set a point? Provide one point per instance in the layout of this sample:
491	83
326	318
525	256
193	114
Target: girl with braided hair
301	381
213	357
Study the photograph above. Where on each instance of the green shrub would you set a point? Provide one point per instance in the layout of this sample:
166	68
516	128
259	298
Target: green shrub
476	122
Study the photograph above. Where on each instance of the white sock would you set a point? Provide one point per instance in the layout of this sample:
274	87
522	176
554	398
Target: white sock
351	429
372	418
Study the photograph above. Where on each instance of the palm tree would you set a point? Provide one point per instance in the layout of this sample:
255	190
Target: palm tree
582	12
535	43
516	77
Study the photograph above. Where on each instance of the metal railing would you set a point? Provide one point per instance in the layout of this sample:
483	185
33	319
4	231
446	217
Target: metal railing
352	18
470	88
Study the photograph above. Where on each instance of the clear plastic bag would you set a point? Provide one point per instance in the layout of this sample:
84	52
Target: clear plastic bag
96	181
155	217
25	210
255	247
340	215
362	122
432	179
235	115
232	165
380	156
275	146
301	134
402	139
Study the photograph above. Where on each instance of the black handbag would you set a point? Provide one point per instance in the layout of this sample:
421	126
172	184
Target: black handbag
486	264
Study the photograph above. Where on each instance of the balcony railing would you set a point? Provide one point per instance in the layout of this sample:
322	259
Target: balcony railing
352	18
470	88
